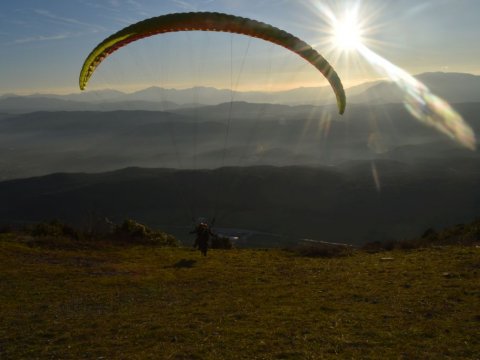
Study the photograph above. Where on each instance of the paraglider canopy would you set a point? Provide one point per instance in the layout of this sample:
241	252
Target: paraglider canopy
210	21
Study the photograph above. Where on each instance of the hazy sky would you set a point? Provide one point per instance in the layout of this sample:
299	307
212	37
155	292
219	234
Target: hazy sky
44	43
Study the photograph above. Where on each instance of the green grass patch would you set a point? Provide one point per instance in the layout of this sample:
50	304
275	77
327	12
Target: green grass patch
146	302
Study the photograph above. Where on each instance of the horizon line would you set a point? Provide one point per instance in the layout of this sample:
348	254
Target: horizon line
132	89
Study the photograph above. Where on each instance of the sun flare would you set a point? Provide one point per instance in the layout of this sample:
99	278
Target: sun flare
350	38
347	33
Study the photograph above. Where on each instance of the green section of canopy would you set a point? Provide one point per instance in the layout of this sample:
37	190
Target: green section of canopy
208	21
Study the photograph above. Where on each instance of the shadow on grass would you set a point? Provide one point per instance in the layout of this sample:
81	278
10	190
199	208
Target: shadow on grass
183	264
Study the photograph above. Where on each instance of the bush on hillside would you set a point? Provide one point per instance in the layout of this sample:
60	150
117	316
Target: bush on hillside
133	232
221	242
460	234
54	228
6	229
323	250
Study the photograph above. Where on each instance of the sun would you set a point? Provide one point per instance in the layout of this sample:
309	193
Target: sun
347	33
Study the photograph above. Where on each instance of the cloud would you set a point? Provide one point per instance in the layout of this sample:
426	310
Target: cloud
191	6
117	5
66	20
135	4
86	28
138	8
97	6
114	3
184	5
418	9
41	38
135	9
17	22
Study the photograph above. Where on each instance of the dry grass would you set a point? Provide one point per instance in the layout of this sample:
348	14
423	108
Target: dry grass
118	302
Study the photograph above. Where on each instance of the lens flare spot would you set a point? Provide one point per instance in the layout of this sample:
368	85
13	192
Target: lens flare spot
376	178
422	103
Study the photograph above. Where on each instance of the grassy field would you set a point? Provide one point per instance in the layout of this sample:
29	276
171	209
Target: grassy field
64	300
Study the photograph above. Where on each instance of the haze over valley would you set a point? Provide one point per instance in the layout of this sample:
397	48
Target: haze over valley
38	136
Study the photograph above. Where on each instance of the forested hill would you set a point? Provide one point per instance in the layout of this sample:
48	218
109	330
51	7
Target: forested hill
356	202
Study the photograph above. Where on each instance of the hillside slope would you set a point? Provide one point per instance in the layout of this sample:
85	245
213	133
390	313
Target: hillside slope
104	301
293	202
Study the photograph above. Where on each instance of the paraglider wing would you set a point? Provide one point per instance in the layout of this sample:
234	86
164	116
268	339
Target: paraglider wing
208	21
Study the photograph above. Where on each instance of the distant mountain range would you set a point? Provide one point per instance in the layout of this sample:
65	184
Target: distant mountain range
232	134
453	87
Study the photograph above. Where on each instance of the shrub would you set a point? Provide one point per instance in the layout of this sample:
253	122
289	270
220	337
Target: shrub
221	242
6	229
460	234
133	232
324	250
430	233
54	228
374	247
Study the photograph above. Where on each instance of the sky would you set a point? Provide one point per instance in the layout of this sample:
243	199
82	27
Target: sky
44	43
